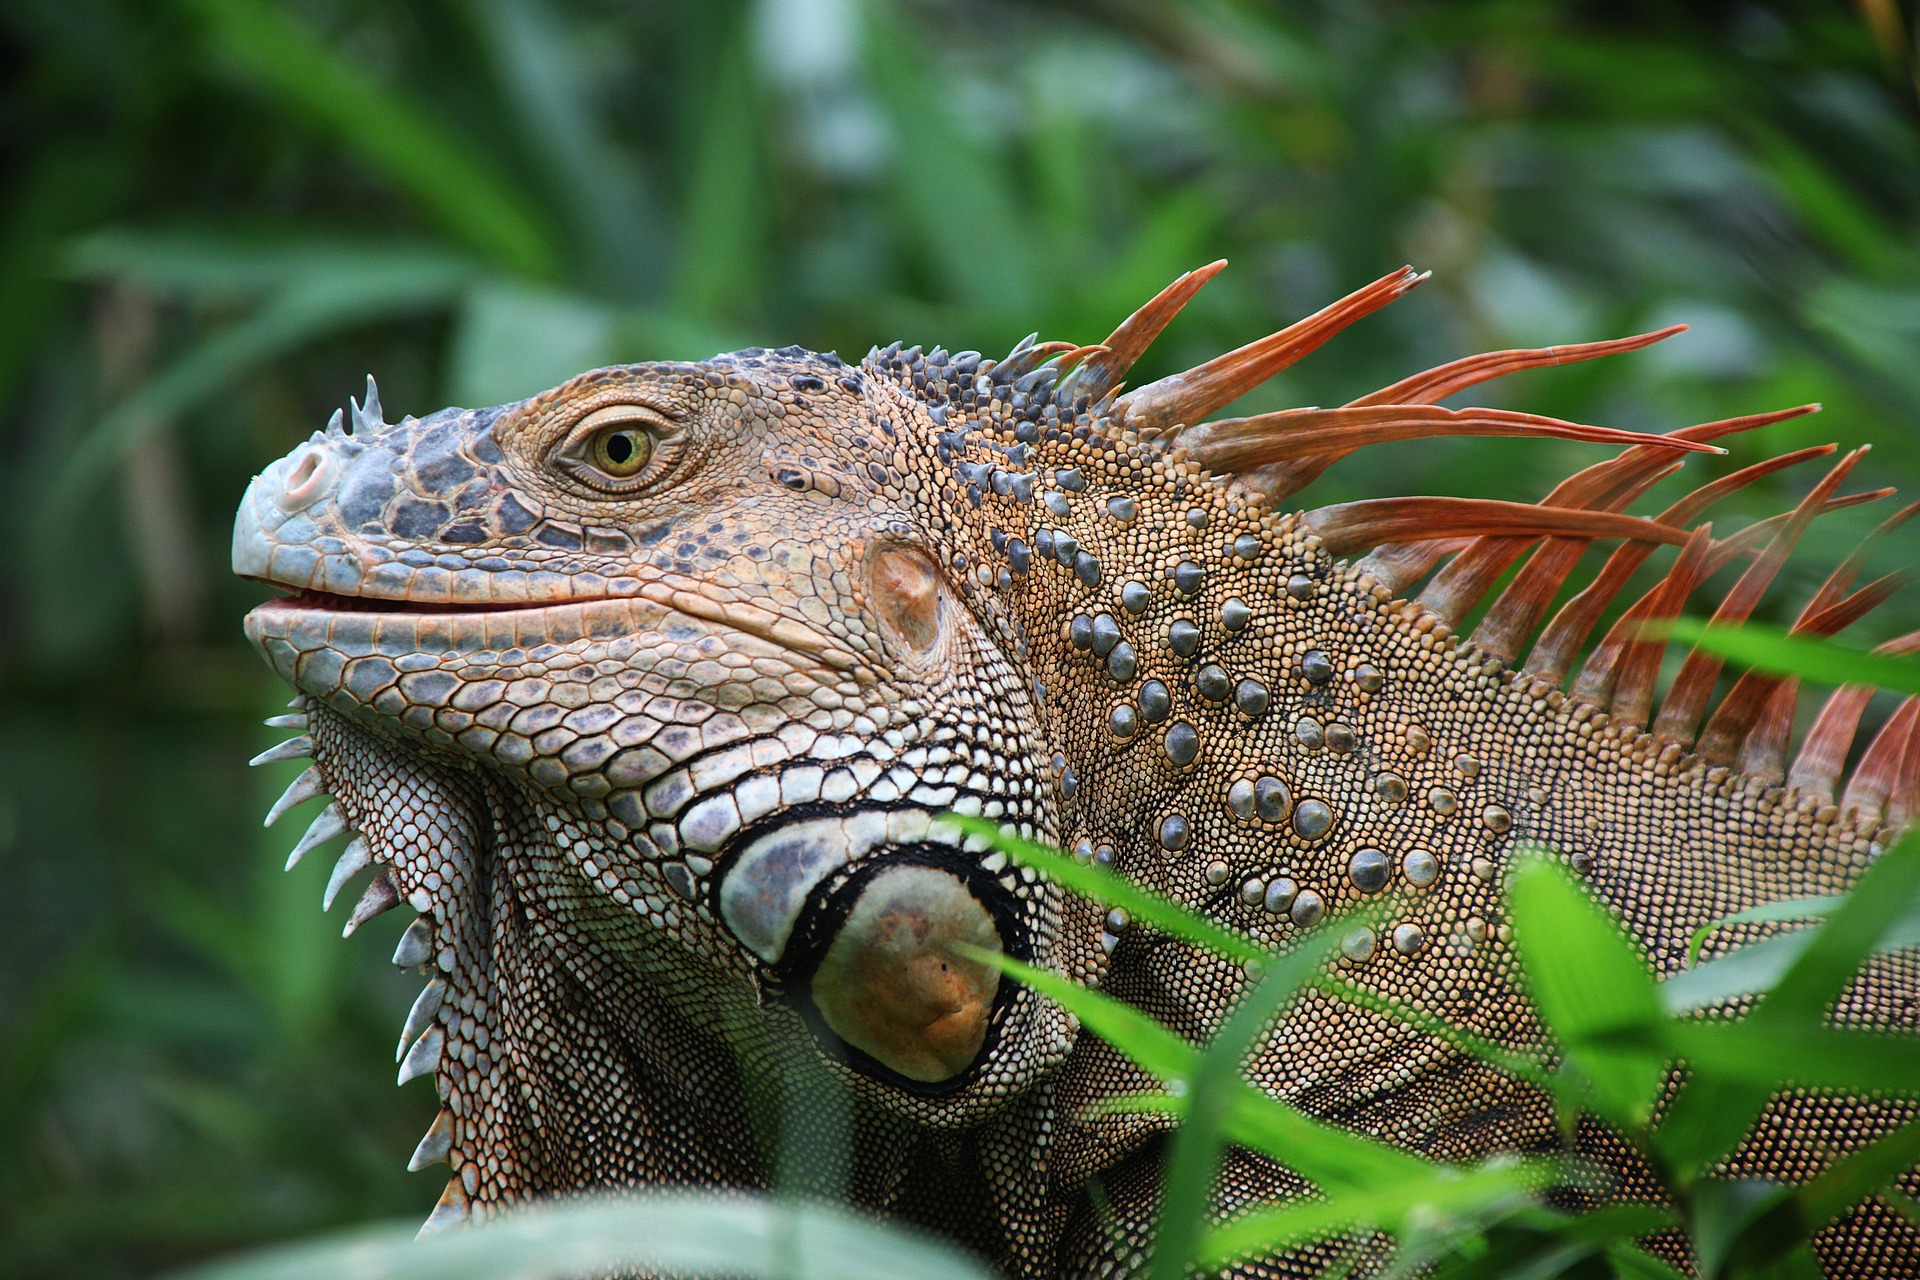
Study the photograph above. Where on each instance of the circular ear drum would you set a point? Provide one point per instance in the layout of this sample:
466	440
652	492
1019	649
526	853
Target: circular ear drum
896	983
907	596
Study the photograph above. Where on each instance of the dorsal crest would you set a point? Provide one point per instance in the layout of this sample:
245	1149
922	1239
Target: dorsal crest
1511	562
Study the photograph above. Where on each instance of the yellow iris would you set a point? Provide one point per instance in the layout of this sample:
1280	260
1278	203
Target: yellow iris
622	451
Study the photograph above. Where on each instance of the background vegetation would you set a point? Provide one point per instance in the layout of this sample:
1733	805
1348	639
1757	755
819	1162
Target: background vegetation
218	215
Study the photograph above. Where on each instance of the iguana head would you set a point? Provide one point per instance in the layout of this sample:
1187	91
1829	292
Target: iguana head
700	625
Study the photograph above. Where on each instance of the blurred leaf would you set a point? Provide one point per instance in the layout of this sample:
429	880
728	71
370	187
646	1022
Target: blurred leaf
1859	1174
1766	913
1887	893
1115	890
687	1232
1468	1197
543	74
513	340
347	291
68	187
1193	1162
1589	982
953	189
1768	649
1764	1057
419	157
61	1003
1532	1070
1322	1153
1150	1046
724	227
1538	1242
1741	1216
1754	968
208	267
1713	1110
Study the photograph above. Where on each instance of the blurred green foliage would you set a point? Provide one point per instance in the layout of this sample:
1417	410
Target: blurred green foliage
218	215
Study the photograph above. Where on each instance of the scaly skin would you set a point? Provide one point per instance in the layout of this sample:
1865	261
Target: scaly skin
660	760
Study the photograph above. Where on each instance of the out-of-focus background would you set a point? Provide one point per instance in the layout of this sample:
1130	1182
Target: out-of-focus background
217	216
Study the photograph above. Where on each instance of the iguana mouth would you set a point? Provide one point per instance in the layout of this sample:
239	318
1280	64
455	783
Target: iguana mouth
333	602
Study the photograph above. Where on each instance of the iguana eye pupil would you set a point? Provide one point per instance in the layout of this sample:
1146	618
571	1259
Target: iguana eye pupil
623	452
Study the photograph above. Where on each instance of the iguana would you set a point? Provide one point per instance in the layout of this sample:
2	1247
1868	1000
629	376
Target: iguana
649	693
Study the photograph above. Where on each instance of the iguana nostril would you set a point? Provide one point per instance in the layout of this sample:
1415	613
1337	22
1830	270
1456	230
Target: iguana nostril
895	983
310	476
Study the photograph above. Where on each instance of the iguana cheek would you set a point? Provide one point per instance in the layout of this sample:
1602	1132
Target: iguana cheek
896	984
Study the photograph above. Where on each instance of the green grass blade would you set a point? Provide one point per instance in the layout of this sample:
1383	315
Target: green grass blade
1152	1047
1767	913
1195	1155
1768	1057
1729	1216
1468	1195
724	226
1319	1152
1710	1114
1757	967
1324	1154
1859	1174
226	269
512	340
1588	980
1115	890
541	75
450	182
956	194
1769	649
1886	893
1532	1070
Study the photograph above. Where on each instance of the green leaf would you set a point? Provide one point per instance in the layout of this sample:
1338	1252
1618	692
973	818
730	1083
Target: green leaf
437	170
1532	1070
1769	649
1857	1175
1740	1218
1193	1161
1767	913
724	227
1755	968
546	74
346	293
1469	1196
513	340
1320	1152
1151	1046
683	1232
954	192
1115	890
1767	1056
1709	1115
1631	1263
1327	1155
1589	982
212	268
1886	893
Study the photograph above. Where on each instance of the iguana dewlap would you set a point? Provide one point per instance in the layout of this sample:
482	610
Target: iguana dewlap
648	695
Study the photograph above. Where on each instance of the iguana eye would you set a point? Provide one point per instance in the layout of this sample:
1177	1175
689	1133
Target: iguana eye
614	444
